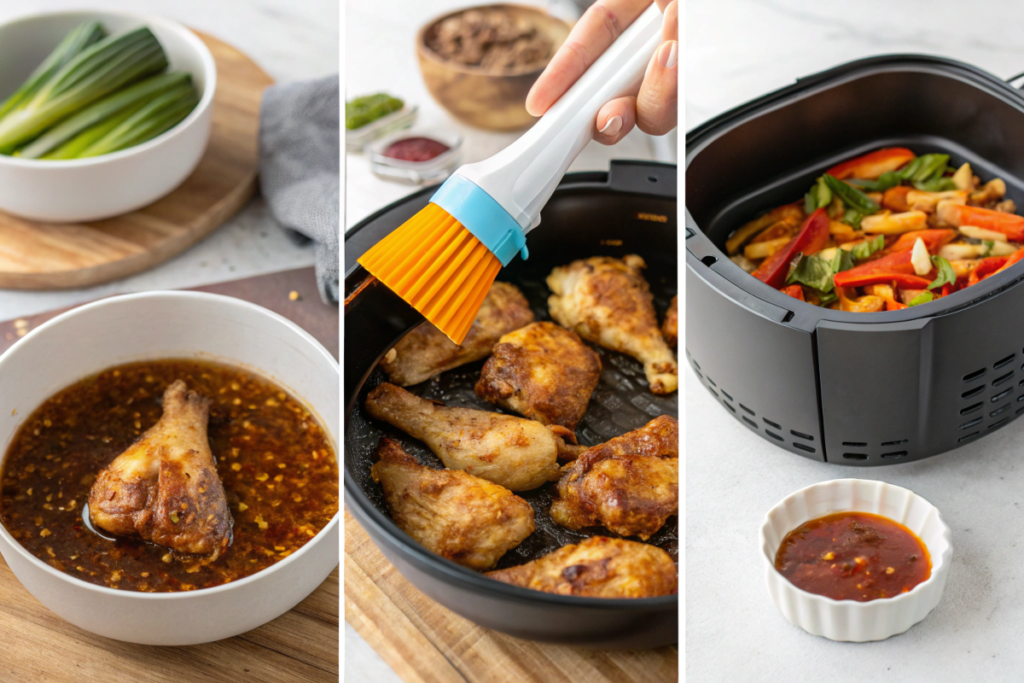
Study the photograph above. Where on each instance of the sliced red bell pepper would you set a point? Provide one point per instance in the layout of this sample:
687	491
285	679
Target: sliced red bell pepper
1009	224
987	267
872	165
795	291
811	239
895	268
895	198
1015	257
934	239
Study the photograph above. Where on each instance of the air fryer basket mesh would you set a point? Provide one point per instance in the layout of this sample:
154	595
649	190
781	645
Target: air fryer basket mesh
621	402
858	389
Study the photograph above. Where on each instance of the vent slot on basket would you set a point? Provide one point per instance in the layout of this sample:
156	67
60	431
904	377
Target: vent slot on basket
855	444
971	393
855	456
970	377
1004	362
1001	379
894	454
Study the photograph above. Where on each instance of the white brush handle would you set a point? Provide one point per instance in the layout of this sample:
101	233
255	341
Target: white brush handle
523	176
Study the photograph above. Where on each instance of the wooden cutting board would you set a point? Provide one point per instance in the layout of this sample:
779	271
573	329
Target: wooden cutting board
301	645
426	643
37	255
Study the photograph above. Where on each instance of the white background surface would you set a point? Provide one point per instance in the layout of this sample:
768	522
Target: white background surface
738	50
381	56
290	40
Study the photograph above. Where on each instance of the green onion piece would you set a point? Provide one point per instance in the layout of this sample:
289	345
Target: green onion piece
80	37
851	196
946	273
824	299
99	70
852	217
99	114
936	185
924	168
885	181
868	247
158	115
922	298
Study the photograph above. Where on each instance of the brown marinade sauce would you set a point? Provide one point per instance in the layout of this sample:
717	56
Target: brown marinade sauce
853	556
277	465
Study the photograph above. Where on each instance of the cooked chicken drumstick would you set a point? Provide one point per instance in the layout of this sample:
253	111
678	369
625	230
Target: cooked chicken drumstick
515	453
542	371
629	485
165	487
599	567
463	518
670	328
607	301
426	351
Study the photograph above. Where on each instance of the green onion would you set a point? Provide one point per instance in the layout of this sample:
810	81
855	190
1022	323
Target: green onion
922	298
924	168
851	196
81	37
99	113
99	70
946	273
157	116
864	249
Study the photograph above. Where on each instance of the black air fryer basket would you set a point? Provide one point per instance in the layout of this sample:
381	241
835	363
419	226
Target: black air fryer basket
631	209
853	388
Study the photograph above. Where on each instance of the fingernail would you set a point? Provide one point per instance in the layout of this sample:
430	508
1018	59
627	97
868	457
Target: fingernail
669	54
612	126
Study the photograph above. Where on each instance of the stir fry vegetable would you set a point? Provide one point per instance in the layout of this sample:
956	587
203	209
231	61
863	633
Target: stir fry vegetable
884	231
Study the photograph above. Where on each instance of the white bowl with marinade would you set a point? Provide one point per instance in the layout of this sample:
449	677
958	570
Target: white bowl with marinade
168	468
101	113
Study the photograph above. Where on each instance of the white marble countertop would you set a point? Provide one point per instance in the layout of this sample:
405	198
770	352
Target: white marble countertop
380	56
290	41
738	50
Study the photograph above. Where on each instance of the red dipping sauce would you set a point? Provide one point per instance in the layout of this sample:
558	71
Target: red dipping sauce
853	556
415	149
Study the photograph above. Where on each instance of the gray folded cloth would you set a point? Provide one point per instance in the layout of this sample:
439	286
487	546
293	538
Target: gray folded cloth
299	168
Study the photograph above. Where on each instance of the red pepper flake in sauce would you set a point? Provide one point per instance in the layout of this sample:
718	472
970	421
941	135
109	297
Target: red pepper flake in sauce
415	149
55	456
853	556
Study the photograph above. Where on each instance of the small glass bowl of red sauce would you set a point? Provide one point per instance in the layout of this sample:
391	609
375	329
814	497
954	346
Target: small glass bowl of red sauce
416	157
855	560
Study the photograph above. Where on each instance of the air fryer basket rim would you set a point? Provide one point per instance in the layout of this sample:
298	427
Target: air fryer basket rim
367	514
806	317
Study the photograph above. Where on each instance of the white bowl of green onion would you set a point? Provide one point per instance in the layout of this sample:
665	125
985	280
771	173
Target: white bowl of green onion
101	113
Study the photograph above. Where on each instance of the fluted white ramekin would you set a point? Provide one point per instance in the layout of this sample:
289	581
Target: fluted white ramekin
849	620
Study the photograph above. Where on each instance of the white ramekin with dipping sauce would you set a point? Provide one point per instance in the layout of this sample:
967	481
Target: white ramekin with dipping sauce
76	190
164	325
849	620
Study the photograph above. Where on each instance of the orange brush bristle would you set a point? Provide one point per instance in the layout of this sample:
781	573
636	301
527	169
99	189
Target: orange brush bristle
438	267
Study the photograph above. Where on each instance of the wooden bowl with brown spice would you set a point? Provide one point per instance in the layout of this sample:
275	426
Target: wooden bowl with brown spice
480	62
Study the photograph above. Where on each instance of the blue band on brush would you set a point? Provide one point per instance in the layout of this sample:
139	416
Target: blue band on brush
482	216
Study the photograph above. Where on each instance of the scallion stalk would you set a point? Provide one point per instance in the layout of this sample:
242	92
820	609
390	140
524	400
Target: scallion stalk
158	115
80	37
132	98
99	70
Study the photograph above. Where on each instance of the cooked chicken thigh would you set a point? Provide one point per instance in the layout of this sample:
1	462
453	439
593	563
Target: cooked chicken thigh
426	351
607	301
599	567
463	518
165	487
629	485
510	451
670	328
542	371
